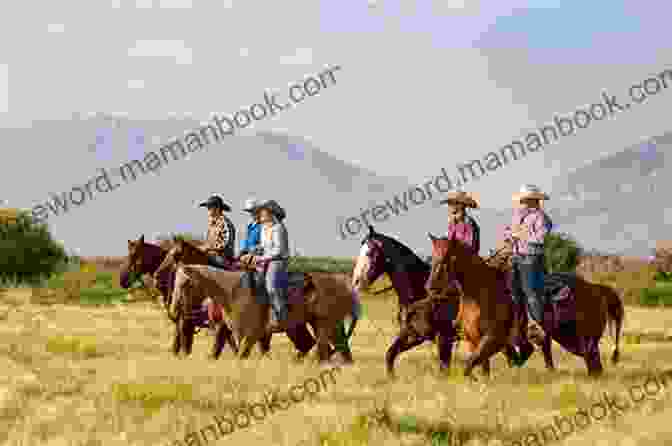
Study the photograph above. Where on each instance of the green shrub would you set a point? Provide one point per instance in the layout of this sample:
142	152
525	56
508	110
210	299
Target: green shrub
28	253
320	264
561	252
661	294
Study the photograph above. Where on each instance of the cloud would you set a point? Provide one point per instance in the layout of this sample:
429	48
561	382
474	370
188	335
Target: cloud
162	48
175	4
136	83
56	28
302	56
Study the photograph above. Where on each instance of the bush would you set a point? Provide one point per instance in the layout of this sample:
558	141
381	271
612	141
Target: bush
561	252
28	253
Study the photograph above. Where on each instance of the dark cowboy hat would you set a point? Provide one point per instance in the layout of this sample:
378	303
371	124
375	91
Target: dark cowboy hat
216	202
274	207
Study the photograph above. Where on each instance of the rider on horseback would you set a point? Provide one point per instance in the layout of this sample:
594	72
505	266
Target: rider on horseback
221	236
526	235
275	251
461	225
250	244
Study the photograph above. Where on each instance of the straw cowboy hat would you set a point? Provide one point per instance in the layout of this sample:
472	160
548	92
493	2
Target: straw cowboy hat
461	197
251	204
529	192
274	207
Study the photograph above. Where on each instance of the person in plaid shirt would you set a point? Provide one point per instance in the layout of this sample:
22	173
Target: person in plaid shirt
526	235
221	236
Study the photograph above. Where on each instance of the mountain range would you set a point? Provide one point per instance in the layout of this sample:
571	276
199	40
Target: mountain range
615	204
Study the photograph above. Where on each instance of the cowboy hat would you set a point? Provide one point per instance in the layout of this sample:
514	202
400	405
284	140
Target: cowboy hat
216	202
274	207
529	192
251	204
460	197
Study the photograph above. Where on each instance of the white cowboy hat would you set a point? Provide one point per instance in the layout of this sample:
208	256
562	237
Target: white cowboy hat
274	207
461	197
529	192
251	204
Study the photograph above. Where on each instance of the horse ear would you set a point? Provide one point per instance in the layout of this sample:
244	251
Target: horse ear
371	230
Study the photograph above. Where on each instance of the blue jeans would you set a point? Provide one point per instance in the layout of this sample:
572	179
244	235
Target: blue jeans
528	284
277	282
217	261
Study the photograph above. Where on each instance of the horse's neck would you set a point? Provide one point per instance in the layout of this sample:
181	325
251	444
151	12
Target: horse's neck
155	258
477	275
409	285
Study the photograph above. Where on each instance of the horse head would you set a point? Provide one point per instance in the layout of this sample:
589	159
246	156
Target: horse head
136	263
371	262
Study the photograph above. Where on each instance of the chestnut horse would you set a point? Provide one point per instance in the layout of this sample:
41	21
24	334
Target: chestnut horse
421	319
320	299
575	316
146	258
185	253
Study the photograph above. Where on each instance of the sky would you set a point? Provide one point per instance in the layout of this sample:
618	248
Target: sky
423	83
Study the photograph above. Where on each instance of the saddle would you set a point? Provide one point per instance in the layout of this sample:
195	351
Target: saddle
555	283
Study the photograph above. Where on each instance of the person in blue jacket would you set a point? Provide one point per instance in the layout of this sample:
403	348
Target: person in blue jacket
250	243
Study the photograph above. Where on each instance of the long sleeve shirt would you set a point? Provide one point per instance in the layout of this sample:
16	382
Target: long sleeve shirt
274	242
252	238
221	236
462	231
467	232
538	225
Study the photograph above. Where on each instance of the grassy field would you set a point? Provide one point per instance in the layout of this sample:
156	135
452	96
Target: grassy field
81	374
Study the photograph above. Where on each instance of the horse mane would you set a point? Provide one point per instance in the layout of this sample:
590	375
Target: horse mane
402	255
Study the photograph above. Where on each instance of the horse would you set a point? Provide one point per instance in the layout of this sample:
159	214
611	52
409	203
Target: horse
187	254
502	259
575	316
420	318
146	258
319	299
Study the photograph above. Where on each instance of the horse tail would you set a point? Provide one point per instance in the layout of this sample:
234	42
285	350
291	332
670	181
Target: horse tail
615	316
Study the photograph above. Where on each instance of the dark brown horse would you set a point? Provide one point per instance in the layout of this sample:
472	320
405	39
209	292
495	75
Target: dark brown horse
575	317
421	319
146	258
185	253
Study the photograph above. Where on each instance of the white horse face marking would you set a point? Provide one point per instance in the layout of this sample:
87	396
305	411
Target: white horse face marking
361	268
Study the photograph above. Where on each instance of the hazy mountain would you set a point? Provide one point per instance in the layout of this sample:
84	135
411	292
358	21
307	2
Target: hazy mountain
615	204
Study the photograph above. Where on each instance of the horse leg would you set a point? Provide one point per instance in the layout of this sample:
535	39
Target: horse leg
223	334
246	345
265	343
548	352
405	341
324	334
592	356
186	329
446	341
487	347
177	340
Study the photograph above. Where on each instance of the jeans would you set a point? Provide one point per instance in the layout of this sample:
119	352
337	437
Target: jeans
217	261
277	282
528	284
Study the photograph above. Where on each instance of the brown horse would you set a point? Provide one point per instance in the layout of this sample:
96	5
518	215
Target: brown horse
147	258
575	317
319	299
502	260
185	253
